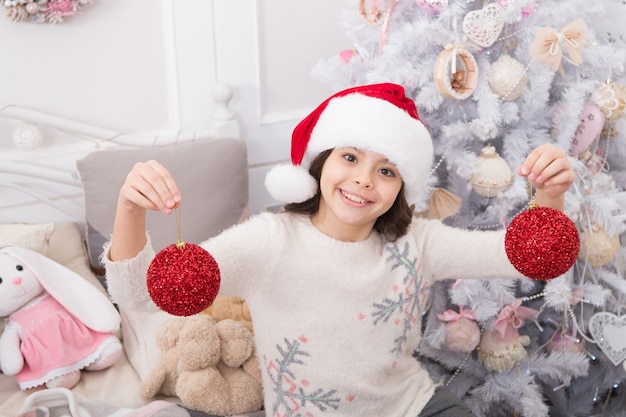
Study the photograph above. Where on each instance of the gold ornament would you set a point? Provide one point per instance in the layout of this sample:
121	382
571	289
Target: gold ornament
599	247
493	174
500	355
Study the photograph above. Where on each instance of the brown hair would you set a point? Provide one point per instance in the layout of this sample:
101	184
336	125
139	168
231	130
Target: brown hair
392	224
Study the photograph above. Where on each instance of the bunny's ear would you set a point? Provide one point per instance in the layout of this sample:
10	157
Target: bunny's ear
71	290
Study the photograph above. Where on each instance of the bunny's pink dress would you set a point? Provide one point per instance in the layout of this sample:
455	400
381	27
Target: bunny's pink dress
54	342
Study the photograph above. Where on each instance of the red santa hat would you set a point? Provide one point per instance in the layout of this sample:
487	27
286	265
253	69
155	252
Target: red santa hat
378	118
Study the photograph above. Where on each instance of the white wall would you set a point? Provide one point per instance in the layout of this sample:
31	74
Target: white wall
266	49
147	65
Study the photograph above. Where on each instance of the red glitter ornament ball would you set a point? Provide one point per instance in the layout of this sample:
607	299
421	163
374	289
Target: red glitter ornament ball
183	279
542	243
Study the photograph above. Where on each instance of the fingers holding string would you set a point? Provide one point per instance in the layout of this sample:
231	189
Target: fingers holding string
149	185
547	166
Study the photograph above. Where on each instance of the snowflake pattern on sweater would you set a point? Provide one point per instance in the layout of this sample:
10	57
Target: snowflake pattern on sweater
410	298
293	394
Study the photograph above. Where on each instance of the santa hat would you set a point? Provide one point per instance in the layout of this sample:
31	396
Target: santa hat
378	118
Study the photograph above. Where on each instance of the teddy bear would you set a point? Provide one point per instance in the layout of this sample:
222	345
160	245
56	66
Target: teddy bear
57	323
230	307
209	365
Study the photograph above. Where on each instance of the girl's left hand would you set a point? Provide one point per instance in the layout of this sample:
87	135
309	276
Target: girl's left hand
548	168
550	172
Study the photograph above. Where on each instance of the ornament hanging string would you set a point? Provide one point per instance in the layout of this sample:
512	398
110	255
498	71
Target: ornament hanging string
532	202
179	242
385	26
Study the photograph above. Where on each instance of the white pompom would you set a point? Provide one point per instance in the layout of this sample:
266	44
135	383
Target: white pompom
290	184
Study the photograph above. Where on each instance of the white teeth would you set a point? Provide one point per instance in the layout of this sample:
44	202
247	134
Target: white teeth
353	198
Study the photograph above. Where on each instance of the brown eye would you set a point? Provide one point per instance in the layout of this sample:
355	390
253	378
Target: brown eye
387	172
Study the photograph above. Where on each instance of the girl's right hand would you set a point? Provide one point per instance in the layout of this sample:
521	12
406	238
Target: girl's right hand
149	185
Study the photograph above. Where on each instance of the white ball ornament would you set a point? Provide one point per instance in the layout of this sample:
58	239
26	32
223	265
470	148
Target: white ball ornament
27	137
493	174
508	78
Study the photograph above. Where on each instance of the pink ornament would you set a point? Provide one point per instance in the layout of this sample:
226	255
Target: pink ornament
61	8
511	318
526	10
432	7
346	55
591	122
589	129
530	9
462	332
563	342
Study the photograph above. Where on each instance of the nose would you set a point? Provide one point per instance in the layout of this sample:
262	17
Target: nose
17	281
363	178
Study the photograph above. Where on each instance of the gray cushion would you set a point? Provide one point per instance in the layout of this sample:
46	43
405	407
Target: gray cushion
212	176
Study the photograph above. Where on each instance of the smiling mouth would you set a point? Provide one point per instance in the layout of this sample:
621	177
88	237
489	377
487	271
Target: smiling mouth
353	198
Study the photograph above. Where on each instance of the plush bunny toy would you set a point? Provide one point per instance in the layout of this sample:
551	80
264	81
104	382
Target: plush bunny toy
57	323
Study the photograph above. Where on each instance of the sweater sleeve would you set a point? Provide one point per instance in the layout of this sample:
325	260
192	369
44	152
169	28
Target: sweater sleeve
126	280
246	252
449	252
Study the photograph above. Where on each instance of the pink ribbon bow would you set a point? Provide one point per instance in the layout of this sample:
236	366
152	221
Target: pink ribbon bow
547	47
451	315
511	318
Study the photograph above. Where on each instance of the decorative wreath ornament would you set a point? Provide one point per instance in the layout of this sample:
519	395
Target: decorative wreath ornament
456	72
43	11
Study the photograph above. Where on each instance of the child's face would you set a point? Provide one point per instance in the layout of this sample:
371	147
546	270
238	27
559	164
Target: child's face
356	187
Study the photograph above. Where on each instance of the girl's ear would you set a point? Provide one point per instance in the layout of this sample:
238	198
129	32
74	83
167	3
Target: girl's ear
79	297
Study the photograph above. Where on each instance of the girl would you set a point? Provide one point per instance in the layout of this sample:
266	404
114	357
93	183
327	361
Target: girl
336	284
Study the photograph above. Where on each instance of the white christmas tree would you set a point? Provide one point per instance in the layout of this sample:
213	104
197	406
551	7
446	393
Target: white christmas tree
492	80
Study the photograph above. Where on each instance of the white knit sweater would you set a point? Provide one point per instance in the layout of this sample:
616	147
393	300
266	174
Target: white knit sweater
335	322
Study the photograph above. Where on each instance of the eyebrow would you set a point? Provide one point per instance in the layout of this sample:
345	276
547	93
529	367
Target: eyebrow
383	160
